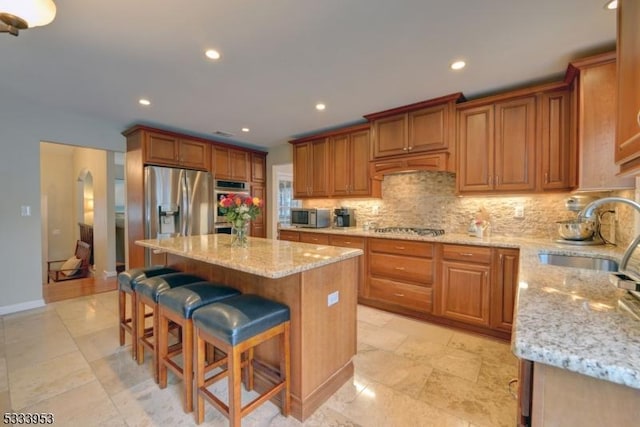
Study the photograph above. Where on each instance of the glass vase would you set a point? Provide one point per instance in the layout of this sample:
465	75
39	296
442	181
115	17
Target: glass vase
239	234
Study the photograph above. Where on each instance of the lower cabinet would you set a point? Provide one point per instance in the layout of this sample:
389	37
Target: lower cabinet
504	287
290	235
400	273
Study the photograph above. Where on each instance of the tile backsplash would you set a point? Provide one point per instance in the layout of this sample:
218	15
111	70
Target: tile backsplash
428	199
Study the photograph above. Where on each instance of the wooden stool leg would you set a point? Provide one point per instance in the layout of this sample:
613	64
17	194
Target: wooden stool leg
156	326
187	364
249	370
235	387
285	369
134	325
140	323
162	345
200	353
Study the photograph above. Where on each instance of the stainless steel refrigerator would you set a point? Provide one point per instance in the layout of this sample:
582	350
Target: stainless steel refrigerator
178	202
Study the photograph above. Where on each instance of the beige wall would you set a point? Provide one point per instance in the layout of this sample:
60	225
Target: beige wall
279	155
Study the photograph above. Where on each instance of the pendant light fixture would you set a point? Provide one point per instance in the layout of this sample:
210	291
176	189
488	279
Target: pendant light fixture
16	15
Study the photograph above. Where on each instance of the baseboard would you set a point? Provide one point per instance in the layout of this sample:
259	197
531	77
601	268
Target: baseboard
107	274
9	309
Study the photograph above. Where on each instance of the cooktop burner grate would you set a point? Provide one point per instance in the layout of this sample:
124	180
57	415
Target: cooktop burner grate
411	230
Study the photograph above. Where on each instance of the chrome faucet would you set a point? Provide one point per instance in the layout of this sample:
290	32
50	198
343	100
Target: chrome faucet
589	211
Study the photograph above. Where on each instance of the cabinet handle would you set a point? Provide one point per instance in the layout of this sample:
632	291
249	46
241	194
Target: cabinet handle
501	261
465	253
347	243
400	248
398	295
400	268
638	118
490	180
511	383
546	177
497	179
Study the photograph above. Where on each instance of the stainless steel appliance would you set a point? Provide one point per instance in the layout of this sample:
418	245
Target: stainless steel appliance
310	217
344	217
178	202
223	189
411	230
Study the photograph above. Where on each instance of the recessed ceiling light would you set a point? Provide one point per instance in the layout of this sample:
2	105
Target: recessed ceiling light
245	129
212	54
458	65
611	5
320	107
143	101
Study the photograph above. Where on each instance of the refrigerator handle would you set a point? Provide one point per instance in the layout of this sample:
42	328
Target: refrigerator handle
186	216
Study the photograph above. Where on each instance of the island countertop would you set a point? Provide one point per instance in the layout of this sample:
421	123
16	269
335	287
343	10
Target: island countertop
263	257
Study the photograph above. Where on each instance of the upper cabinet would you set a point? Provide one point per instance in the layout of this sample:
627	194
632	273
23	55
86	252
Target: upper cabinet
595	85
414	129
229	163
516	142
258	168
627	152
311	168
349	163
168	150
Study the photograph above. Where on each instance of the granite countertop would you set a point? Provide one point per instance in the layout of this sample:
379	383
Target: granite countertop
565	317
263	257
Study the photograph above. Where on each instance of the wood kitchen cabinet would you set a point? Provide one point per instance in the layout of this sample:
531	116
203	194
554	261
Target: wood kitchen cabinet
290	235
400	274
349	165
315	238
595	85
627	152
231	164
464	292
258	168
504	286
356	243
168	150
417	128
258	225
311	168
516	142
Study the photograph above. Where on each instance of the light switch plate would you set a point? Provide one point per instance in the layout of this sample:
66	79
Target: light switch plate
519	211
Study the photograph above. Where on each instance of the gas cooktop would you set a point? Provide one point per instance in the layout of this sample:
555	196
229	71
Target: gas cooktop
411	230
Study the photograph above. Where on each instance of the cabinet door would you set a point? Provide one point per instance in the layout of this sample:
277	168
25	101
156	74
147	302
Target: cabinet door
504	288
239	163
221	164
555	140
464	293
628	48
320	168
475	138
194	154
360	182
340	164
161	149
390	136
258	228
428	129
301	170
515	133
316	238
258	168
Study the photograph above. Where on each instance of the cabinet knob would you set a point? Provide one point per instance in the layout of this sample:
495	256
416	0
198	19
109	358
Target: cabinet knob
410	148
404	148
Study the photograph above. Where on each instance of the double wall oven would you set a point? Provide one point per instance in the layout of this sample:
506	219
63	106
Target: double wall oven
223	189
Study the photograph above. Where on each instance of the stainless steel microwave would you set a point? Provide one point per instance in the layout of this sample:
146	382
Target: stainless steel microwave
310	217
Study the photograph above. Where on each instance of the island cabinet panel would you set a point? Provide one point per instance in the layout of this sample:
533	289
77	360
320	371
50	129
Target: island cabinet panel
464	292
400	274
356	243
628	122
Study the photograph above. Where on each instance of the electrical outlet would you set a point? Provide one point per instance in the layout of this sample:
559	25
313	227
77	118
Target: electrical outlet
375	209
25	210
333	298
519	212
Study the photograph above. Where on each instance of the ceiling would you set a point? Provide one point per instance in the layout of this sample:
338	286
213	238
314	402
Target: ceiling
281	57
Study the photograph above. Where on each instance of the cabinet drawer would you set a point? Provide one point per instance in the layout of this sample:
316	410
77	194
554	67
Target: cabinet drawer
402	247
409	296
476	254
347	241
292	236
319	239
407	268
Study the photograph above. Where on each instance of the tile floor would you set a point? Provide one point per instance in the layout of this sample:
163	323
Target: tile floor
65	359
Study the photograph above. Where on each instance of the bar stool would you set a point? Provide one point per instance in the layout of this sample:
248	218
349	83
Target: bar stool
177	305
236	325
147	292
127	282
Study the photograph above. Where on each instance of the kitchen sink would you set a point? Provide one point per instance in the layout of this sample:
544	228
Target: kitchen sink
577	261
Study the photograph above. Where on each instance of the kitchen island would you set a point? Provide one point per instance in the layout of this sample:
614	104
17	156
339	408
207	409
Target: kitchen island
318	283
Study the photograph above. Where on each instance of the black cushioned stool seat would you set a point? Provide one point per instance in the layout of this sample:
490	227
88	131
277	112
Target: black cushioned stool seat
236	325
177	305
127	281
147	292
